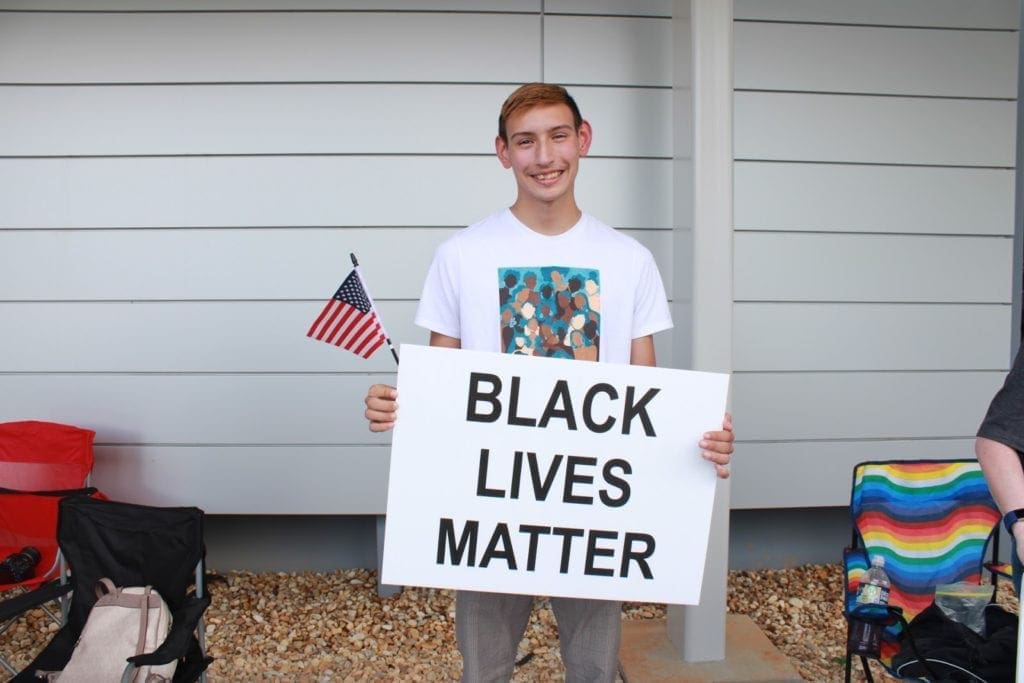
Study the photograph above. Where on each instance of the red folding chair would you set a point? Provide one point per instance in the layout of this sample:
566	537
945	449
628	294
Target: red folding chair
44	456
40	463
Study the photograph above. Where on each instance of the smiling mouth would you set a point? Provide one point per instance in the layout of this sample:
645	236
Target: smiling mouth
548	177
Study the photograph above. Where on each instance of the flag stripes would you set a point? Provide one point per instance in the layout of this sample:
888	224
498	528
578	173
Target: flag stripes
349	321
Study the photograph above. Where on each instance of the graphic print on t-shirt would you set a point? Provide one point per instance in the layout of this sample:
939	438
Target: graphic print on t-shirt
550	311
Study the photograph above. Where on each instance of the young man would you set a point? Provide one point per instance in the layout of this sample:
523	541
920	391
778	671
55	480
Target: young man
543	278
999	447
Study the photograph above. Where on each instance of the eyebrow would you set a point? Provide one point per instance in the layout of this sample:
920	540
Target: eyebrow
553	129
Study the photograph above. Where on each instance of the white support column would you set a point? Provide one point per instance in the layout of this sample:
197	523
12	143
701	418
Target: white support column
703	236
383	590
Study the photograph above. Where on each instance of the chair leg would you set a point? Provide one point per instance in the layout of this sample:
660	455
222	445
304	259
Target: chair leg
867	669
201	626
65	600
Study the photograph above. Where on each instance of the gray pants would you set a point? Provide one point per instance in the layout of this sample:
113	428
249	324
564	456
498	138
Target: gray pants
489	627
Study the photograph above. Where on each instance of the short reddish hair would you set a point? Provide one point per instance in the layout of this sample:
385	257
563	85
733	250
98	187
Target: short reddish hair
535	95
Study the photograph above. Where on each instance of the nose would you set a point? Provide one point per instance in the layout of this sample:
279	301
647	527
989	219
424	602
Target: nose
545	152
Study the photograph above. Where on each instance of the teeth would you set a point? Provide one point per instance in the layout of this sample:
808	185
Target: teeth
547	176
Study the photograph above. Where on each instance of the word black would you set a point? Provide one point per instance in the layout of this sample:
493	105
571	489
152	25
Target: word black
559	405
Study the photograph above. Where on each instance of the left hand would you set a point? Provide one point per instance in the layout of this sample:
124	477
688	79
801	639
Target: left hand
716	447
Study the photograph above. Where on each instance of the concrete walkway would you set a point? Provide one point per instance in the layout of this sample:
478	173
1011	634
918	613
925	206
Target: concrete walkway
647	656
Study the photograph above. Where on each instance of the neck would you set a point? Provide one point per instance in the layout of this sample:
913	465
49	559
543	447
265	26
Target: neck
547	219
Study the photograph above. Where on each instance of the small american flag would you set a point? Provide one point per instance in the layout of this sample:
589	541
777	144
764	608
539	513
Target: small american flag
349	320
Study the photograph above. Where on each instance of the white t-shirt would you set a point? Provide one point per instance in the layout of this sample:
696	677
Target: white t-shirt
586	293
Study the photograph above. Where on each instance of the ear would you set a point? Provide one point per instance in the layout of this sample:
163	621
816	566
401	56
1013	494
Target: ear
501	149
586	136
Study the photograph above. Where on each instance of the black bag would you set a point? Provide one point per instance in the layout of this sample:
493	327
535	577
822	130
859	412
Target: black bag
935	647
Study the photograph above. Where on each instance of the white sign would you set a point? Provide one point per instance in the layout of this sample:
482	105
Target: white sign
550	477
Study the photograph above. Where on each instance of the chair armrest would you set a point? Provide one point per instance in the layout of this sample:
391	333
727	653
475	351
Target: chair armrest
1004	569
877	614
12	607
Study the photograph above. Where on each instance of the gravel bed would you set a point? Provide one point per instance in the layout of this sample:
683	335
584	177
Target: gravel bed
333	627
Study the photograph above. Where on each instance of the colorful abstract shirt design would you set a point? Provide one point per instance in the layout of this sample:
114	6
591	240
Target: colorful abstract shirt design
550	311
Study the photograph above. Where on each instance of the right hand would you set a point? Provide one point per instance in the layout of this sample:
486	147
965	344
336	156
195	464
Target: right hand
381	407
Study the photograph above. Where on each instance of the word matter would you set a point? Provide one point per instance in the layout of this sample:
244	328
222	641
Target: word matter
597	544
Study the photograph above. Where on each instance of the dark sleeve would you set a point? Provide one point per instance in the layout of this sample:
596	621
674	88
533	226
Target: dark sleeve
1004	421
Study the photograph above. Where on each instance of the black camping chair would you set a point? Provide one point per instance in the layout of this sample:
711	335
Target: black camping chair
133	545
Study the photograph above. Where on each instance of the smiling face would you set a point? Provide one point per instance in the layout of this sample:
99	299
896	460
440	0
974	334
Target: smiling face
543	149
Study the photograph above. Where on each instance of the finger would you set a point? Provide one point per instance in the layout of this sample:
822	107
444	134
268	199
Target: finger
380	416
716	457
381	426
385	391
381	404
719	446
722	471
727	422
723	436
385	414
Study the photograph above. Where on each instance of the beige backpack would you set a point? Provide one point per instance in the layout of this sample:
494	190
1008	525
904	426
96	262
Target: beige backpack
123	623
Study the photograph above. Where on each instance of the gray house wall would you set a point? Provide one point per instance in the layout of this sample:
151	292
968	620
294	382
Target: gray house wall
875	152
181	184
180	189
874	214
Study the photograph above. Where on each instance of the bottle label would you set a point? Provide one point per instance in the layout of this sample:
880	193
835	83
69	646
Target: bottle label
872	594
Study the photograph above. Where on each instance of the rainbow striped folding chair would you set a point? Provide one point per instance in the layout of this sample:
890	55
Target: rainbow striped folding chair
932	520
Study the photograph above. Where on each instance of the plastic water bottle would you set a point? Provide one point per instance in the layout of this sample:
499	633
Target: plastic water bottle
866	636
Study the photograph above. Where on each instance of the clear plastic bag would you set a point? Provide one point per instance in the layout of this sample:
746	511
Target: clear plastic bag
965	603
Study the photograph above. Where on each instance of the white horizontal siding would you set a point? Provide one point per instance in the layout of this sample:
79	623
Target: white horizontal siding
368	46
956	14
210	264
327	480
659	8
207	409
872	268
874	209
309	191
174	265
867	198
279	5
874	60
170	223
350	118
208	336
763	476
813	336
614	7
861	405
879	130
267	47
608	50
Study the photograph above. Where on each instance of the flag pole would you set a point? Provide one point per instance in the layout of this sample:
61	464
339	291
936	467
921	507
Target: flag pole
380	320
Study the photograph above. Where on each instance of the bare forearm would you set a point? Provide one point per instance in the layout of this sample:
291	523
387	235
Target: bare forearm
1003	472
